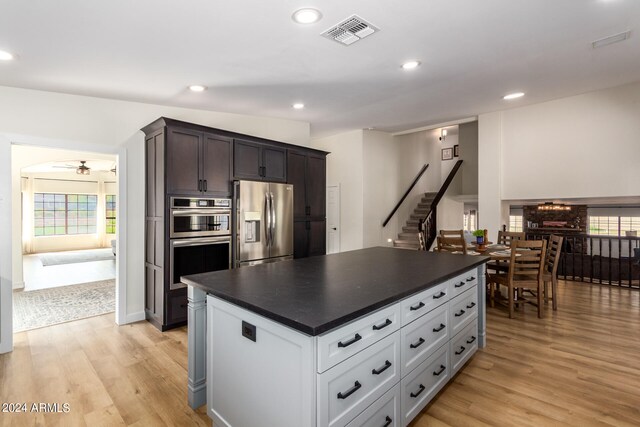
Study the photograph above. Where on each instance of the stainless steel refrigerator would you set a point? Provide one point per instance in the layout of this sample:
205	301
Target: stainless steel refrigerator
264	222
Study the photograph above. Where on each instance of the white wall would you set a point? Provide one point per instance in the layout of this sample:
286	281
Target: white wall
103	125
345	168
468	141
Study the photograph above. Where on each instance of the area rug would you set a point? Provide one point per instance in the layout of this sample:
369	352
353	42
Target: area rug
46	307
73	257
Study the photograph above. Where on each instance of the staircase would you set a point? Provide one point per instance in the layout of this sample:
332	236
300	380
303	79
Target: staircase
408	239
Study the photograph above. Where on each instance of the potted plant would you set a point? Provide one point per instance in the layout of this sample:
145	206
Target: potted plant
479	236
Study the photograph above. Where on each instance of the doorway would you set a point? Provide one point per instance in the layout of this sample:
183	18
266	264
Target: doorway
333	219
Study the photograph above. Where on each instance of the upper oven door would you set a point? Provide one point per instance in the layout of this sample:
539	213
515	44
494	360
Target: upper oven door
200	222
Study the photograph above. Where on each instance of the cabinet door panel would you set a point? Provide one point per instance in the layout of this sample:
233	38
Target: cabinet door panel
183	161
296	166
316	177
275	164
151	177
317	238
216	153
246	160
300	239
159	175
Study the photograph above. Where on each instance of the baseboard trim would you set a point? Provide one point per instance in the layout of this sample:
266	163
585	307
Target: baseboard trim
134	317
18	285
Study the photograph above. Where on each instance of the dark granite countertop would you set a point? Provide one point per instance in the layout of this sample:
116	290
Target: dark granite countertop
317	294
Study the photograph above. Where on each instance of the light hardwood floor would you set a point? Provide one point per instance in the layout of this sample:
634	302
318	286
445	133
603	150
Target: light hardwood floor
578	366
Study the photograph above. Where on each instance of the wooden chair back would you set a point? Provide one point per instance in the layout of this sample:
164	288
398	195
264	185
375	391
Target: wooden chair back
553	254
527	266
452	233
507	237
452	244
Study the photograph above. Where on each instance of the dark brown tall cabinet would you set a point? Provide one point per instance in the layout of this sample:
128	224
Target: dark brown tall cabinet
306	170
189	160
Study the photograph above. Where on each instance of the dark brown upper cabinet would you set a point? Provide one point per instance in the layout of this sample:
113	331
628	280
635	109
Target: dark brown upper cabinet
259	162
306	172
197	163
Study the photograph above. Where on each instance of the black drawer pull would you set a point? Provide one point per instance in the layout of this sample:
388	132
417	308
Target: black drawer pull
459	352
439	328
356	338
416	307
470	340
388	421
378	371
473	304
459	285
417	393
418	344
442	369
470	279
349	392
440	295
384	325
460	313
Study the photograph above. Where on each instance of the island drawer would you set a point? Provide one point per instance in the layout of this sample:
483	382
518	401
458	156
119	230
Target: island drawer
461	283
423	302
463	346
419	387
463	309
342	343
422	337
384	412
350	387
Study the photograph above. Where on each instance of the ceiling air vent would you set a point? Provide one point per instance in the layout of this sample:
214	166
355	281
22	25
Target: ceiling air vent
350	30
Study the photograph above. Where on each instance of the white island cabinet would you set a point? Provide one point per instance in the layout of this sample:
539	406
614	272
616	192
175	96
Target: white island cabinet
380	369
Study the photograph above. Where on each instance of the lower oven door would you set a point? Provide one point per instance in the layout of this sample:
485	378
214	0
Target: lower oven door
199	255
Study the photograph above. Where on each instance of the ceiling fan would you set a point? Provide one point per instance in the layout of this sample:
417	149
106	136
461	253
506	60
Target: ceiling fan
82	169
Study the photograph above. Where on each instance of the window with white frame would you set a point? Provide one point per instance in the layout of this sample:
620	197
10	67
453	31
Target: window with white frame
613	225
61	214
515	222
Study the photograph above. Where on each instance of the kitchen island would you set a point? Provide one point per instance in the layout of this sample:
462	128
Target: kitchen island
360	337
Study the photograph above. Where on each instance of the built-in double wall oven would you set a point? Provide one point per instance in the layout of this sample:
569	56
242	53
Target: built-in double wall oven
200	237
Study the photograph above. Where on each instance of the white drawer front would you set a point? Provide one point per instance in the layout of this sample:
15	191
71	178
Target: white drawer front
348	388
419	304
338	345
419	387
463	346
422	337
462	310
461	283
384	412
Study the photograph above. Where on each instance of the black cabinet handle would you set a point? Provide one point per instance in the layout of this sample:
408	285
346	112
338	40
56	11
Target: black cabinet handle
470	279
442	368
417	393
418	344
356	338
308	210
439	328
378	371
459	352
349	392
384	325
205	185
459	285
460	313
199	185
416	307
470	340
440	295
473	304
388	421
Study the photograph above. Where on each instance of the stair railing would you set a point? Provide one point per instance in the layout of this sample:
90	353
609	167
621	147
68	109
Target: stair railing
427	226
406	193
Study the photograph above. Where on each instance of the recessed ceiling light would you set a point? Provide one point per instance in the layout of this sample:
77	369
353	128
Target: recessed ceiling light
410	65
513	95
197	88
6	56
298	106
306	16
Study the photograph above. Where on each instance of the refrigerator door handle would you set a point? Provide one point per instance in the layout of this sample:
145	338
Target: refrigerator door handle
273	218
267	214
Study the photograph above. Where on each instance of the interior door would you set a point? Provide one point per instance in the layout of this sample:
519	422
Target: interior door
282	222
333	219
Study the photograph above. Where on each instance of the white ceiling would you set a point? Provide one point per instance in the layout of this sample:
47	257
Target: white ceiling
256	60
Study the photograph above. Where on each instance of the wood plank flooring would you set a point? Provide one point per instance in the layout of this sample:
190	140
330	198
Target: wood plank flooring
578	366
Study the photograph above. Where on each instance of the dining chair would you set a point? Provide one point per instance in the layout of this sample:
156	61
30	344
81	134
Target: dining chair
452	233
452	244
506	237
550	273
526	269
